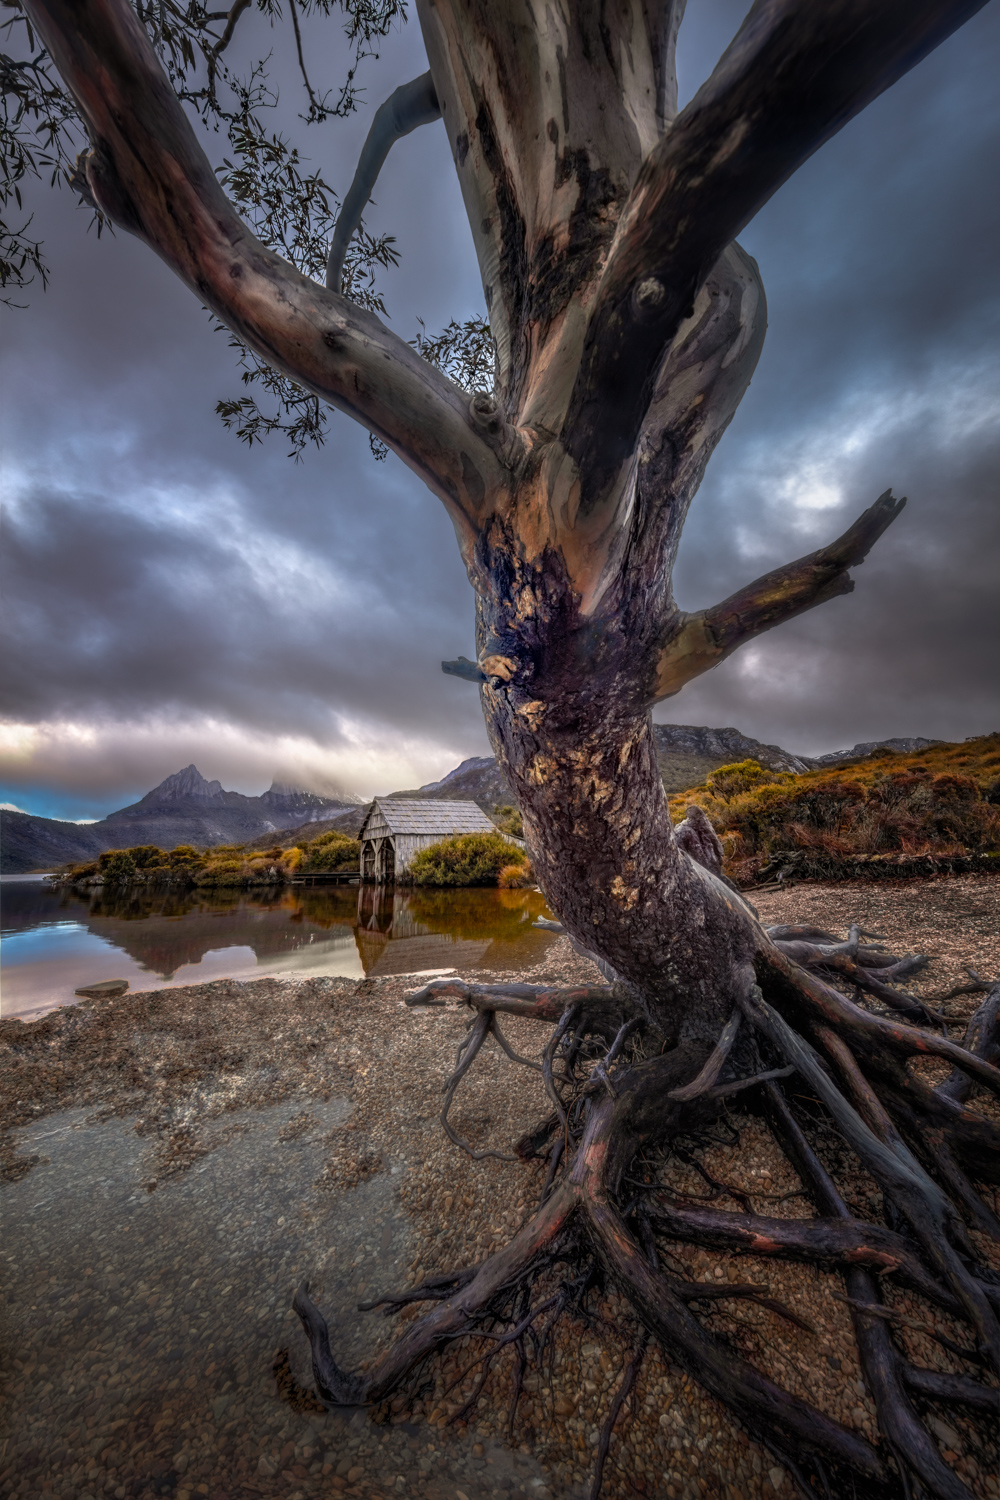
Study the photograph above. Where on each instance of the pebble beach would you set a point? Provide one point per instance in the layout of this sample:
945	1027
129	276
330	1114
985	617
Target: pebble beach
175	1162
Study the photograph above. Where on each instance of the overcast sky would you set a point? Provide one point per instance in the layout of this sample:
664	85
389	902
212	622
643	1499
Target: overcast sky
170	597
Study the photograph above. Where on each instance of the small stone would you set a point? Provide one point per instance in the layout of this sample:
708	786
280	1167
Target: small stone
947	1435
777	1477
354	1474
266	1468
104	989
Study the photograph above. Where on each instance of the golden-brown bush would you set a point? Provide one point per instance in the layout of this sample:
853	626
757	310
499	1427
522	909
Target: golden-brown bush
941	801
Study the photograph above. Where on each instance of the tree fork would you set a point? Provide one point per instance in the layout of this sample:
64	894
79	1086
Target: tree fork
628	323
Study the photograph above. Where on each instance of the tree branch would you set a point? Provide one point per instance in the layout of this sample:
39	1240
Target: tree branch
663	22
412	104
794	75
148	172
232	18
706	638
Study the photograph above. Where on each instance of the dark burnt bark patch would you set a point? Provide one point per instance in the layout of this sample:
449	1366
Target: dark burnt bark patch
558	271
513	241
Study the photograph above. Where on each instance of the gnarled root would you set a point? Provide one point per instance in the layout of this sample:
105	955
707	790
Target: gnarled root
623	1101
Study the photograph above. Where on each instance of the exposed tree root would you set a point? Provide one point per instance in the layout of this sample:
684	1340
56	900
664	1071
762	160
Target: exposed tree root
625	1098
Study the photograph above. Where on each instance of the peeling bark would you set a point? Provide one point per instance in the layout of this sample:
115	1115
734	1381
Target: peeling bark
628	324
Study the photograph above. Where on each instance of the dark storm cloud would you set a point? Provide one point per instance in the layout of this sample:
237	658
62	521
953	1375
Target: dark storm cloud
881	367
181	606
270	615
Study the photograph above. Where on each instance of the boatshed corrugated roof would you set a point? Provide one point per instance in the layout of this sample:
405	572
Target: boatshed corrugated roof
415	815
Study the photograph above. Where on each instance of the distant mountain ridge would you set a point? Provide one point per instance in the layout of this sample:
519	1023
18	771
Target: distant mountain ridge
187	809
184	809
868	747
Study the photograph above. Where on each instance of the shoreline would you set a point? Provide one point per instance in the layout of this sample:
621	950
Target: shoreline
269	1130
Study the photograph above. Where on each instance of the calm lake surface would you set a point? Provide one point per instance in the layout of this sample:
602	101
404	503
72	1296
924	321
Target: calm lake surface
56	940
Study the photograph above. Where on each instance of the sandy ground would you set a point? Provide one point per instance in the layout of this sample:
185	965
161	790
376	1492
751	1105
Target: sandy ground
177	1161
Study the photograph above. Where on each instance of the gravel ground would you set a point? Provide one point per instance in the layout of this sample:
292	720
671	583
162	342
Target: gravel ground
176	1161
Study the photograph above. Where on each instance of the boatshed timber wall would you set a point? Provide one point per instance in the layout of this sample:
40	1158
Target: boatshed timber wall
397	828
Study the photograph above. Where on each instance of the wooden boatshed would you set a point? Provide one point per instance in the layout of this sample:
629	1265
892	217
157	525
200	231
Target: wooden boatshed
395	828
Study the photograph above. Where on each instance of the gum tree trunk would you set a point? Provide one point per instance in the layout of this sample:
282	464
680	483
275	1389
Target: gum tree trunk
628	323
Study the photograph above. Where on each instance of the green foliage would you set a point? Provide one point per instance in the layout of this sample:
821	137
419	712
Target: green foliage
508	820
332	851
146	861
465	352
117	866
288	205
743	776
466	859
182	853
145	856
228	871
40	135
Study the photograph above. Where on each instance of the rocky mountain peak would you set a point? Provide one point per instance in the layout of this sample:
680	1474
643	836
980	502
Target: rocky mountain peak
284	791
187	783
282	794
901	745
474	763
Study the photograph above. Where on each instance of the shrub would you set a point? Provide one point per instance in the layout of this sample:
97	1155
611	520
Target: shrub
508	820
264	869
949	788
184	854
514	877
332	851
117	866
743	776
146	856
224	872
466	859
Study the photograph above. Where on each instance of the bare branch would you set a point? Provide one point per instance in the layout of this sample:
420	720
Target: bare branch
706	638
663	21
231	21
149	174
412	104
794	75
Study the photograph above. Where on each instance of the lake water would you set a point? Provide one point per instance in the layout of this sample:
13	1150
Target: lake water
54	941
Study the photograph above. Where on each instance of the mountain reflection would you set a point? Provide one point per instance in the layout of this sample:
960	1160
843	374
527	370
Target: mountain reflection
395	931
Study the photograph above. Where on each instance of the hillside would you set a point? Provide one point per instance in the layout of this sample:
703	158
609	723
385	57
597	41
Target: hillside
879	813
686	753
183	809
187	809
348	822
475	780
